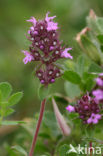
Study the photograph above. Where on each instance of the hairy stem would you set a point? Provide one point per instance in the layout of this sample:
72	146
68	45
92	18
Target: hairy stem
38	127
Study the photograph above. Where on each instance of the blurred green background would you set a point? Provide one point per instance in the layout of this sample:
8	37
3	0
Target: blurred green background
71	16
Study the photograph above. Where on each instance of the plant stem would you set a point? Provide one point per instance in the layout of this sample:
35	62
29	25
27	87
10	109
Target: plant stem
90	144
38	127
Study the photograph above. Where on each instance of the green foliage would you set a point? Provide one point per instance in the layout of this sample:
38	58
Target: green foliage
6	101
89	84
90	48
63	150
60	98
15	98
48	138
5	89
99	22
100	38
91	38
82	78
7	123
72	90
72	77
20	150
94	68
80	65
43	92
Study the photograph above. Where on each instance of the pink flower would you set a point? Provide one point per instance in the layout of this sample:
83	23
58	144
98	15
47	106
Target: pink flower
32	20
49	18
50	24
94	118
98	94
99	81
70	108
31	29
66	54
28	57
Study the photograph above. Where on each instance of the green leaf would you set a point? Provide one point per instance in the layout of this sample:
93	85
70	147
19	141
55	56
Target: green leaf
46	154
72	90
9	111
60	99
69	64
95	24
63	150
5	89
89	85
72	77
73	116
95	68
3	109
5	123
80	65
92	24
0	96
101	48
90	49
20	150
43	92
87	76
49	121
15	98
100	38
100	24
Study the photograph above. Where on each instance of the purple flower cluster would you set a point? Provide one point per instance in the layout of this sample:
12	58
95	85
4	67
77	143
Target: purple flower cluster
88	110
98	93
46	48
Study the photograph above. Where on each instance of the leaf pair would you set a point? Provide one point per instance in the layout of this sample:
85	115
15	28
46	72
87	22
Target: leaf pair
7	101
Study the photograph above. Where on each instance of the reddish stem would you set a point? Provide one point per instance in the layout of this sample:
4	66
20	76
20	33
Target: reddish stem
38	127
90	144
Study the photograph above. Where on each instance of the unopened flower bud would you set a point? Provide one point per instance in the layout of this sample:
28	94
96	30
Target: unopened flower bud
61	121
87	46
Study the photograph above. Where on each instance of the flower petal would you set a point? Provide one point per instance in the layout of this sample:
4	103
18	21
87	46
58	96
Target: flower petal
70	108
66	54
32	20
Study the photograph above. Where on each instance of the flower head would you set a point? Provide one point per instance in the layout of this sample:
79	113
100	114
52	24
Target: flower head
46	48
87	108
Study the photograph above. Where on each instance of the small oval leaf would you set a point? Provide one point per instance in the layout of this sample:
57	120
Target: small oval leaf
72	77
20	149
5	89
43	92
15	98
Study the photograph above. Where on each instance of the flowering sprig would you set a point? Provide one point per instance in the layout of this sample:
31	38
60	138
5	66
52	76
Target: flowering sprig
46	48
88	109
